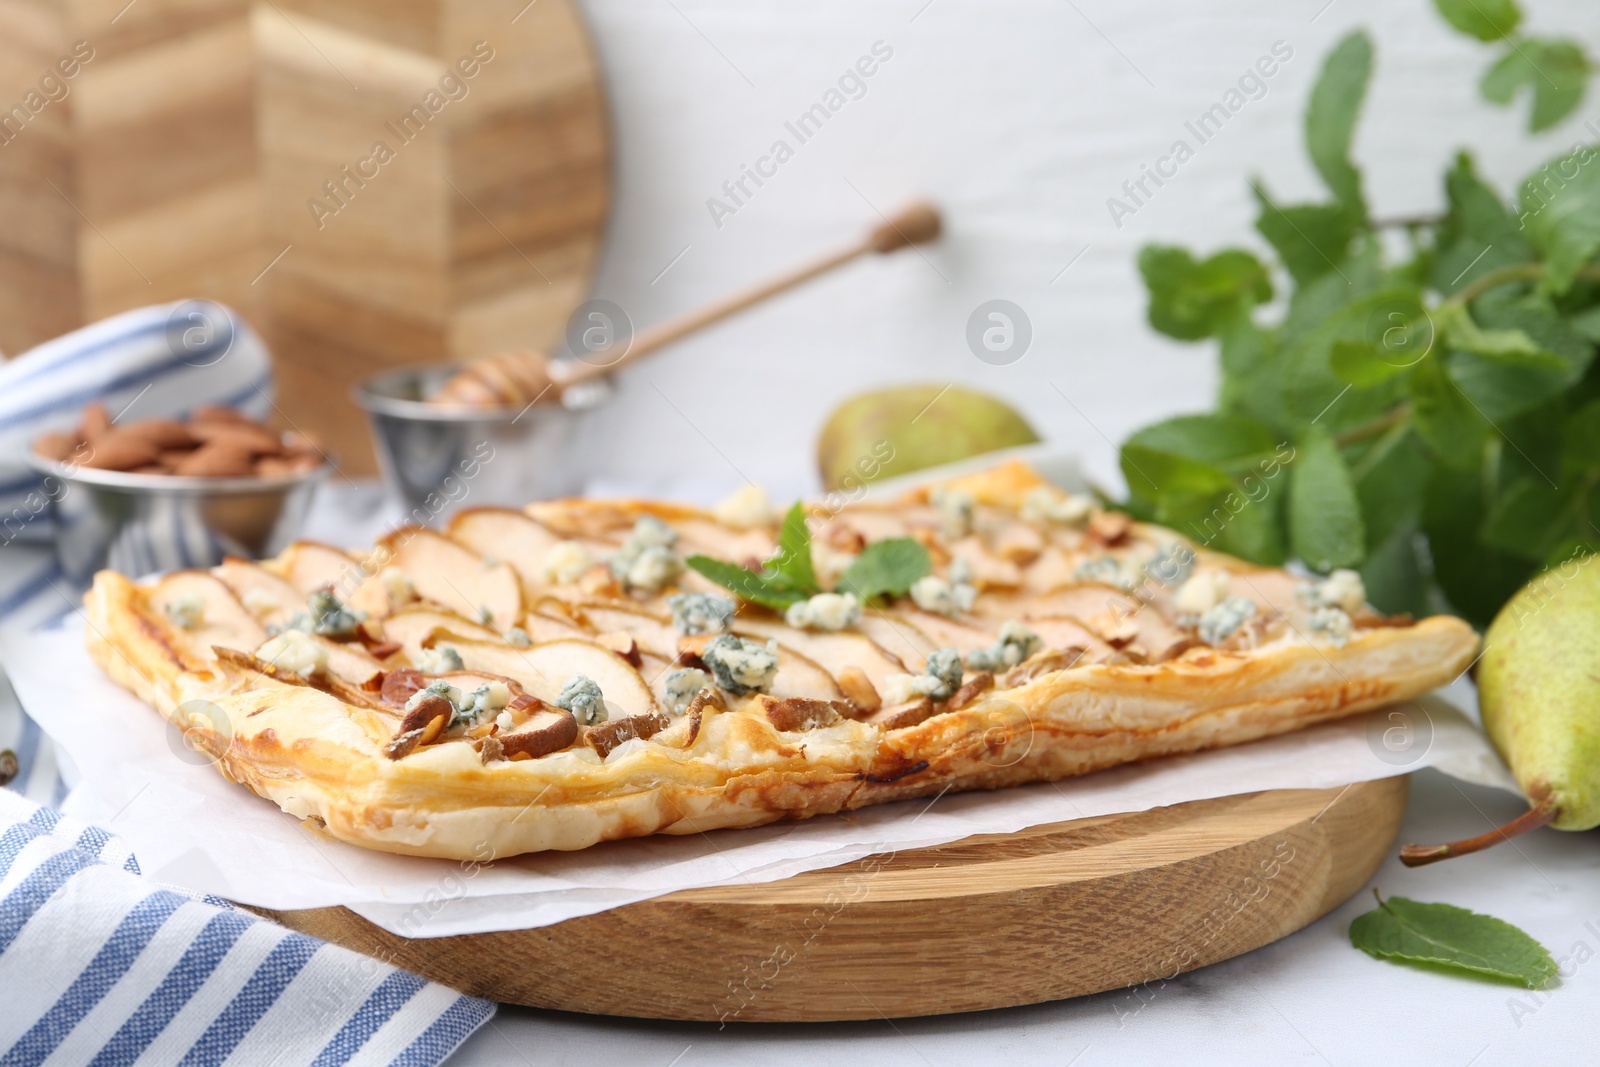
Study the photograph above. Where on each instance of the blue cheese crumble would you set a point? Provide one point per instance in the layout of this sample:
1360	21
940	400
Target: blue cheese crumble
1332	623
1107	570
1045	504
825	611
956	510
646	560
519	637
1172	564
940	678
296	652
943	596
187	611
329	616
441	659
565	562
681	685
581	695
1218	624
741	666
1014	644
700	613
1341	589
439	688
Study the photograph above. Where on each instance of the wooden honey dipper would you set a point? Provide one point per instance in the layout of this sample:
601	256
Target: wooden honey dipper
519	378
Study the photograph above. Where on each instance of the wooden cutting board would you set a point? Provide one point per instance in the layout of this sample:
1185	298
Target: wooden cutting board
1049	912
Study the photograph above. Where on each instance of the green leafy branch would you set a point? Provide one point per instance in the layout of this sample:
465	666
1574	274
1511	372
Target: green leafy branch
884	568
1555	71
1431	417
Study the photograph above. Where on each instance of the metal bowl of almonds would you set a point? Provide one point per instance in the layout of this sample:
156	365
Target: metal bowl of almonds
161	494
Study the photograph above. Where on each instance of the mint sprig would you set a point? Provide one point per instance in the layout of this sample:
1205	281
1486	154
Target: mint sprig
1424	415
884	568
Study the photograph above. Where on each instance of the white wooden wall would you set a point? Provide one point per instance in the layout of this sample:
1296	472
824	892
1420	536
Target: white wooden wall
1021	118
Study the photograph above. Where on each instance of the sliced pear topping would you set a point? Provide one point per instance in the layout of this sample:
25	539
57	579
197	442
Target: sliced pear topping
513	536
543	670
444	572
218	617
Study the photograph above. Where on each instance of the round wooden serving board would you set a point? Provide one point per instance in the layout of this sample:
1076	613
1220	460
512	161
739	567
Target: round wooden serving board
996	921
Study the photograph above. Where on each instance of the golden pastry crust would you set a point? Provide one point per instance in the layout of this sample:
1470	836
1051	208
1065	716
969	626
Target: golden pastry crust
1121	677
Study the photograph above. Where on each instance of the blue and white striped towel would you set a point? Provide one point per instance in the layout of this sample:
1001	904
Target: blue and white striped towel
162	360
100	966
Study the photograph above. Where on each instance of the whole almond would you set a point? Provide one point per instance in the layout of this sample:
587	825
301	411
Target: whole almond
218	413
273	467
252	438
116	450
163	433
56	446
217	459
95	421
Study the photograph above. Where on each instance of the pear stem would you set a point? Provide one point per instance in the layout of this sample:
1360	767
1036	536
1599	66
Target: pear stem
1532	819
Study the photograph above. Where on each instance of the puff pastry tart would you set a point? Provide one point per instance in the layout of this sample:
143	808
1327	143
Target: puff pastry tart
555	677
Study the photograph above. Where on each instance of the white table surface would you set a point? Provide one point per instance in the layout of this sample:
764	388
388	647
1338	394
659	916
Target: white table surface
1309	998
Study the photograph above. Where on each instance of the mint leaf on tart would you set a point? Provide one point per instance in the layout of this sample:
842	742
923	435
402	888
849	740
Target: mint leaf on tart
885	568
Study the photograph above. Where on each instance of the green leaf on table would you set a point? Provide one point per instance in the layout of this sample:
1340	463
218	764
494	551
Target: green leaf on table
1190	298
1556	71
1453	938
749	585
1310	239
1325	528
885	568
792	562
1559	208
1331	118
1487	20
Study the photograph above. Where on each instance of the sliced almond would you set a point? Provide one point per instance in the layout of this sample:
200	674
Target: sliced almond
545	731
859	690
623	645
606	736
398	686
899	716
970	690
801	713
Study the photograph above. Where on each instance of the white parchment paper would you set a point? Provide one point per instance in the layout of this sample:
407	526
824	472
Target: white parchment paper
190	826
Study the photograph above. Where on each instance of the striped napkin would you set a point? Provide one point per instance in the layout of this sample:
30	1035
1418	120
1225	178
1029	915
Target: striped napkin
101	966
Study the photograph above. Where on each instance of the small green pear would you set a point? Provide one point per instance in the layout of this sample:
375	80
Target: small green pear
906	428
1539	695
1539	690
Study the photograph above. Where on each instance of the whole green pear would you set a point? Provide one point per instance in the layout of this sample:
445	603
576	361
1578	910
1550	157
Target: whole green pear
906	428
1539	690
